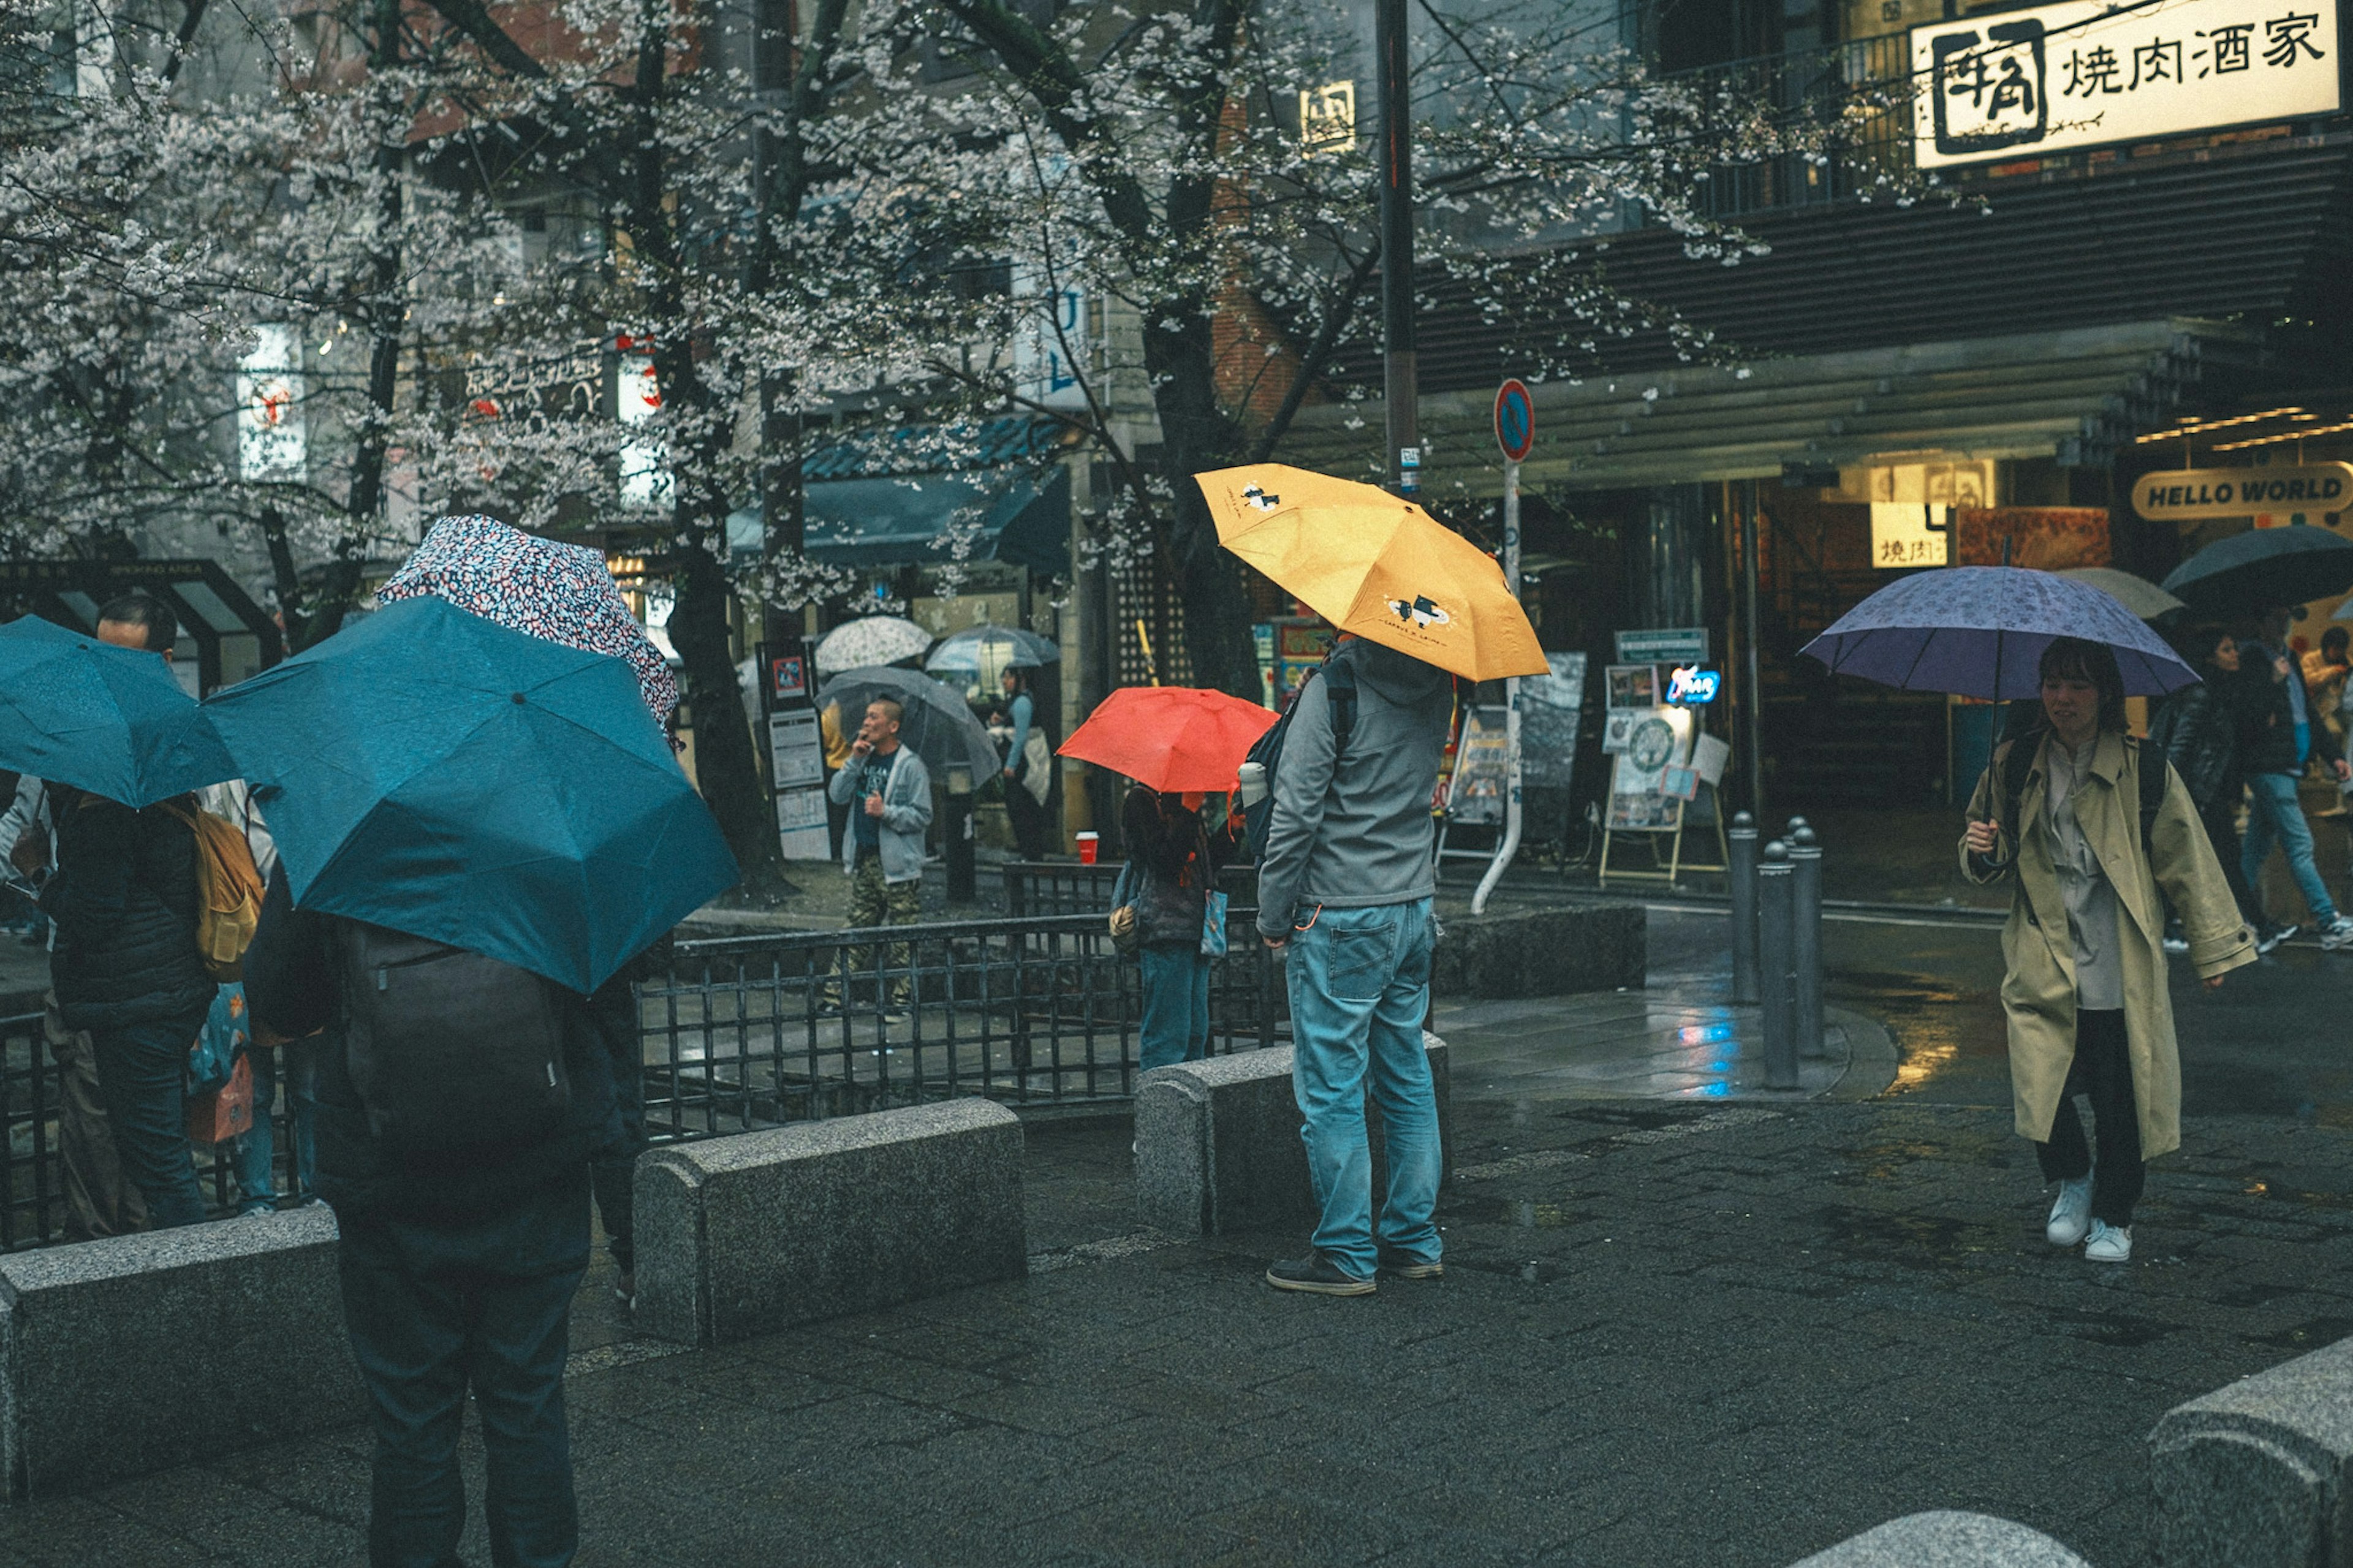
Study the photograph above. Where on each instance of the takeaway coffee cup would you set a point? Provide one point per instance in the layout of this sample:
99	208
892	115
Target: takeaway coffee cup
1253	783
1087	842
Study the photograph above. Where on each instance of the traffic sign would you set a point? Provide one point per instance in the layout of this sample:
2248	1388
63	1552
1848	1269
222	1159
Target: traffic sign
1515	421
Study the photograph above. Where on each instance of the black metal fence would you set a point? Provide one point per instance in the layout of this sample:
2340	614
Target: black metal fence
1035	1009
1068	888
34	1212
756	1031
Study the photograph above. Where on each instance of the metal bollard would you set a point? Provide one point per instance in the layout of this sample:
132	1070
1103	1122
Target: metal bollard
1773	921
1743	842
1806	939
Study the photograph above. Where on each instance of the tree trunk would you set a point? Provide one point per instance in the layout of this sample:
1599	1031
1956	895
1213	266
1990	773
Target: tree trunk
725	764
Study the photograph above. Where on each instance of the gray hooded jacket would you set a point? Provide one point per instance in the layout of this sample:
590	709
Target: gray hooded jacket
1356	834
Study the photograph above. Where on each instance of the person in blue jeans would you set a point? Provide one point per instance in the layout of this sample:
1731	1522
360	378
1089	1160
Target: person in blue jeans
1173	860
1346	886
2283	736
257	1149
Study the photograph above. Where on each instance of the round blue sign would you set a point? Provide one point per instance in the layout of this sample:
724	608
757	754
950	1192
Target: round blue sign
1515	421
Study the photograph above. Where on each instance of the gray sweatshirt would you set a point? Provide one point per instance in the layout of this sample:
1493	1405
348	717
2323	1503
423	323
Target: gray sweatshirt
1359	834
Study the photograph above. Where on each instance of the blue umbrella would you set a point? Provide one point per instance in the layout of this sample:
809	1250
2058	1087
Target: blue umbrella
2264	568
437	774
108	720
1979	631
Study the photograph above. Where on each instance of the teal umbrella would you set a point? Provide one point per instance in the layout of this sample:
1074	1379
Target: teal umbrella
108	720
437	774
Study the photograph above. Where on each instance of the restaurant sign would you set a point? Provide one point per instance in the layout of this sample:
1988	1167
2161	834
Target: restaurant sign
2089	73
2185	495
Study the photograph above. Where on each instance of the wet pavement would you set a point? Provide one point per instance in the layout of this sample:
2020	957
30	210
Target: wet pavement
1672	1332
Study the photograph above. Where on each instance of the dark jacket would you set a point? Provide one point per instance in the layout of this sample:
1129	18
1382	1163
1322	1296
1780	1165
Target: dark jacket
1169	908
2269	739
2197	726
124	899
291	987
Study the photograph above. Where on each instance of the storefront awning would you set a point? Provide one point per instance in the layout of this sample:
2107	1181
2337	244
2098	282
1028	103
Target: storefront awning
2074	395
930	519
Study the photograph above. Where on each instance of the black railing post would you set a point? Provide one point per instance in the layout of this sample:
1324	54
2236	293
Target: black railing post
1773	919
1742	841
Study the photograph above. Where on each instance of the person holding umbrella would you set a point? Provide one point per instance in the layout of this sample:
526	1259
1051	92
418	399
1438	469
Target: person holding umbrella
2085	991
1028	773
2197	728
2284	737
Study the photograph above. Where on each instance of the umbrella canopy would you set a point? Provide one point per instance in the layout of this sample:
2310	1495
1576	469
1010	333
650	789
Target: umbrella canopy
1979	631
1375	565
933	718
2264	568
869	640
108	720
986	652
1171	738
563	593
435	773
2139	595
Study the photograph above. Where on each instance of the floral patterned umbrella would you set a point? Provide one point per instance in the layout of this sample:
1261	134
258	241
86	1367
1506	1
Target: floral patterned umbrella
561	593
869	640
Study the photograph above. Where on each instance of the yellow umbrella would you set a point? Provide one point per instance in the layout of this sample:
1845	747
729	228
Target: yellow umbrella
1375	565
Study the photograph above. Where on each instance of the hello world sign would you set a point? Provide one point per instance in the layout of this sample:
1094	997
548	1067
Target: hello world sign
2184	495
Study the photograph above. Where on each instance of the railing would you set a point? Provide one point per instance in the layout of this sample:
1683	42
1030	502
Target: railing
1035	1010
34	1211
756	1031
1070	887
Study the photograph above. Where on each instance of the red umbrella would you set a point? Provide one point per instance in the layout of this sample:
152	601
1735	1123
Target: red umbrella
1170	737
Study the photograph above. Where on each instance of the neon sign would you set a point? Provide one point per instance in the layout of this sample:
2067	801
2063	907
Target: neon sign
1692	687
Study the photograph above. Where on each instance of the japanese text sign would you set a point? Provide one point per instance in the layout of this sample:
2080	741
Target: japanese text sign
2084	74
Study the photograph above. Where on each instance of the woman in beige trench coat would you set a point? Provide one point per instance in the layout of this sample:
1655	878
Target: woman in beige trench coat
2084	990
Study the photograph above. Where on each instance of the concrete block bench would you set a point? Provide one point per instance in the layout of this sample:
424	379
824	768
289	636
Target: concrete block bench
2254	1475
1947	1540
1542	952
1218	1147
745	1236
136	1353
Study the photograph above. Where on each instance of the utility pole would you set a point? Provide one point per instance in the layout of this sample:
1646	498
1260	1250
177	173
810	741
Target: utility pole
1396	247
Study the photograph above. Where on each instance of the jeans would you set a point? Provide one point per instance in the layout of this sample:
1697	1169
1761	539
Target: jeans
257	1176
2275	814
1176	1007
143	1077
433	1311
1359	984
2102	1070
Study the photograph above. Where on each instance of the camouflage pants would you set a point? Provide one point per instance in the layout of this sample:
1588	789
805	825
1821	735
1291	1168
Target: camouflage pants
874	903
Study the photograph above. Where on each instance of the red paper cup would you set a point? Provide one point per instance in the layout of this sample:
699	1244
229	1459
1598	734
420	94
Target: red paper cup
1087	843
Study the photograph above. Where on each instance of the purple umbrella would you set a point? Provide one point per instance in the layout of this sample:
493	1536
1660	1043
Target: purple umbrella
1979	631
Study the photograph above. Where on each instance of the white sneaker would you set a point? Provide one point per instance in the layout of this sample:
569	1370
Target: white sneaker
2109	1244
2338	933
2072	1214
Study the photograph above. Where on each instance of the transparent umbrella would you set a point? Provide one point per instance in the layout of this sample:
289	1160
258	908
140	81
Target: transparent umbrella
983	653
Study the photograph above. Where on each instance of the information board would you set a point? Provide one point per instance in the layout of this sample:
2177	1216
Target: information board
1550	708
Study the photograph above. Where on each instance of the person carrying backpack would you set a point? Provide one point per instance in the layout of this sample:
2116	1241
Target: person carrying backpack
2093	824
1170	888
1346	888
461	1103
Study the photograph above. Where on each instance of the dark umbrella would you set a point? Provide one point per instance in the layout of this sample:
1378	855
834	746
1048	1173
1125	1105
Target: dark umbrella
108	720
1979	631
933	718
435	773
2264	568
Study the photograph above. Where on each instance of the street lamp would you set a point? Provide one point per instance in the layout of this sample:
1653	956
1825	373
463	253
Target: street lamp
1396	247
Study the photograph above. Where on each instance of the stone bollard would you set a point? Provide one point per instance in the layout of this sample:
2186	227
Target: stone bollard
1947	1539
2260	1474
1743	875
1806	939
749	1235
1773	954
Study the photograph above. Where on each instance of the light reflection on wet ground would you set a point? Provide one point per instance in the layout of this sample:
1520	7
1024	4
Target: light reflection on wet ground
2273	1041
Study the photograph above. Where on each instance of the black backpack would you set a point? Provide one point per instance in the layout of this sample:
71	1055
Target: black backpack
2019	761
1339	675
450	1051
